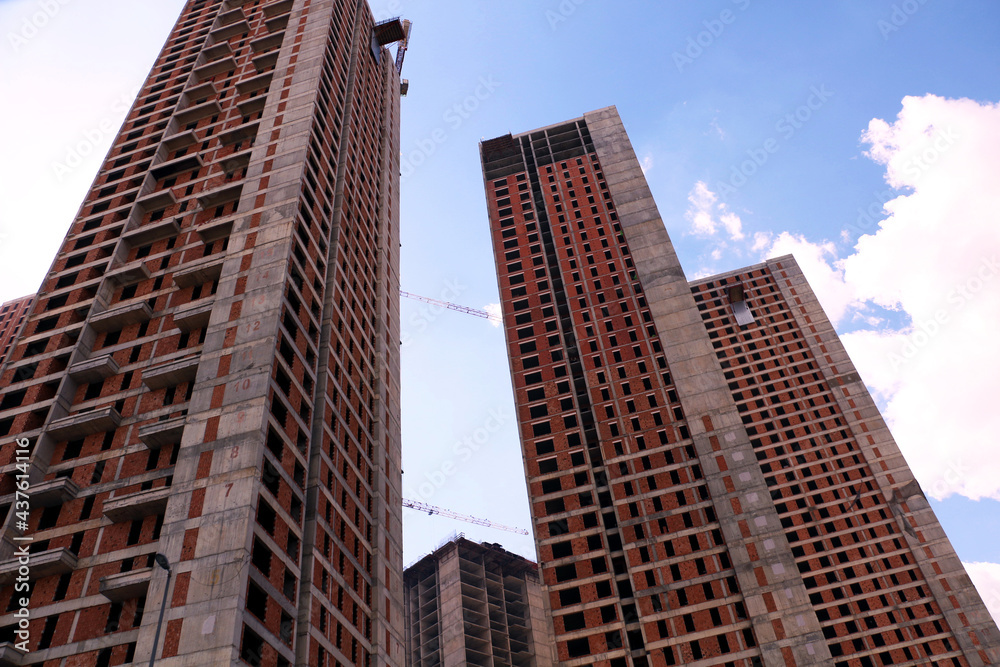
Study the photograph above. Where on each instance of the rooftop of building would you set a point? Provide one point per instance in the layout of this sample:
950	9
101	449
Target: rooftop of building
16	302
547	128
492	551
745	269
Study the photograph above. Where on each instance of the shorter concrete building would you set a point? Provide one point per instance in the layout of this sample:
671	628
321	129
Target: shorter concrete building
476	604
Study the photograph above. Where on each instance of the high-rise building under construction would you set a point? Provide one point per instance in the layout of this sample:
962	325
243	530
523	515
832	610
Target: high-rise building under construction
710	481
12	314
202	408
475	604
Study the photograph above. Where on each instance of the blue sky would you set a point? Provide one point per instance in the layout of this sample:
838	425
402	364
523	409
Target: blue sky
749	118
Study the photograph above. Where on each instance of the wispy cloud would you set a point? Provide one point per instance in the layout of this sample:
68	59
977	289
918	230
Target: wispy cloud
718	129
708	215
496	316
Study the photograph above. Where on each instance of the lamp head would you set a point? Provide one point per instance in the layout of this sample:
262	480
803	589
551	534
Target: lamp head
162	561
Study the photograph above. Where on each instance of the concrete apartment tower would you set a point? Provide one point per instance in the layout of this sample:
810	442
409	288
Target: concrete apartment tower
210	371
476	604
710	482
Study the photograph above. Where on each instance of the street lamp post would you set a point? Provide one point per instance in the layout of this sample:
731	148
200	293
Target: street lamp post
162	561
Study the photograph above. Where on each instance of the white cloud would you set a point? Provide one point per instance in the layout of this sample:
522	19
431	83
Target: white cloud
733	225
718	129
870	351
700	212
647	164
986	577
496	315
705	207
936	259
761	240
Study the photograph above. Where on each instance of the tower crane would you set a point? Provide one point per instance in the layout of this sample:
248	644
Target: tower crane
432	510
452	306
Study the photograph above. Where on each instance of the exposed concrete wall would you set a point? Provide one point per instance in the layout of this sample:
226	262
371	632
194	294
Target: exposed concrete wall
542	636
388	509
728	460
451	609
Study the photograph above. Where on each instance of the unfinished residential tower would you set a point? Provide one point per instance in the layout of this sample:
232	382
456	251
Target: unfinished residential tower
208	380
475	604
12	314
710	481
